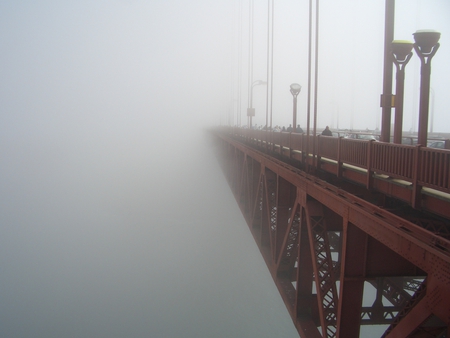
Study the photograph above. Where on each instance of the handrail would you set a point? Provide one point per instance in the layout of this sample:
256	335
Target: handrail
393	159
430	169
434	168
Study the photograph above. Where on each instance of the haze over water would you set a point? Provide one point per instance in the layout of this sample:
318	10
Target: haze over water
115	218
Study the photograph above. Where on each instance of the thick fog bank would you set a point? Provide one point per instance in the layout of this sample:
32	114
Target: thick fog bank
127	237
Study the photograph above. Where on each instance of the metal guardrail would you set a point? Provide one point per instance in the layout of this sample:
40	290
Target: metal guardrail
434	168
422	166
394	159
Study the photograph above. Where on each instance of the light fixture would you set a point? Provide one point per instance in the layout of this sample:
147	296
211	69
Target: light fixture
426	39
401	49
295	89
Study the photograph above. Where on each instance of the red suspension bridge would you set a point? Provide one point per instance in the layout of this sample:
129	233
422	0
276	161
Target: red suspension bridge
333	216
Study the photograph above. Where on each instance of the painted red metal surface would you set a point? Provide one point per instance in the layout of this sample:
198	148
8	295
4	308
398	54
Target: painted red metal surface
326	245
408	168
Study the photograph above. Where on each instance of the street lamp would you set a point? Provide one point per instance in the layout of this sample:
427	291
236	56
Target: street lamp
426	45
401	52
251	110
295	90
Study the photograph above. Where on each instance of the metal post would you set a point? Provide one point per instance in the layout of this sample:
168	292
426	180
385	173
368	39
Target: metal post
401	52
386	97
295	90
294	120
426	46
308	114
251	106
251	110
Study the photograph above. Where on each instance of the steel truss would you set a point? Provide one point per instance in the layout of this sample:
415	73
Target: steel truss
324	246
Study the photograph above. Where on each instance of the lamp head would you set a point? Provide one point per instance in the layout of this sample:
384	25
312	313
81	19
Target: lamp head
401	49
426	39
295	89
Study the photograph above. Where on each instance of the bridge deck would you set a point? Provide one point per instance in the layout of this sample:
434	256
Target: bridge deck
324	239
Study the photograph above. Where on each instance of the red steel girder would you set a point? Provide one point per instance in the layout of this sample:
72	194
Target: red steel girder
323	267
295	252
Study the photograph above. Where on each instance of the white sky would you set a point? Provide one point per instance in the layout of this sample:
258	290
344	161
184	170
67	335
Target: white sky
112	210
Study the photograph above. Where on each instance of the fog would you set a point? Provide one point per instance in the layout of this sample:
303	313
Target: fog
115	218
350	62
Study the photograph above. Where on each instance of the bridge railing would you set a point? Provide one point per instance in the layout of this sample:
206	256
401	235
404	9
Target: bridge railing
434	168
354	152
422	166
298	141
394	160
329	147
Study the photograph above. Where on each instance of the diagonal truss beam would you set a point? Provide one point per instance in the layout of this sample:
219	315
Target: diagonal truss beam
284	209
325	280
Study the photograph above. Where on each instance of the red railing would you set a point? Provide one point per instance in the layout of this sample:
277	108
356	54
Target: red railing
434	168
354	152
393	159
297	141
427	167
276	137
329	147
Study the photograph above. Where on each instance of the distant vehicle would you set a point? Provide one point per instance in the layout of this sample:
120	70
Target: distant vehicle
437	144
369	137
351	136
409	140
363	137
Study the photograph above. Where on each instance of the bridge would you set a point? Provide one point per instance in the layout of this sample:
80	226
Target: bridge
333	217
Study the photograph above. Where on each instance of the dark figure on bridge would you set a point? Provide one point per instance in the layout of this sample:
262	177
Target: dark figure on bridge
289	129
299	129
327	132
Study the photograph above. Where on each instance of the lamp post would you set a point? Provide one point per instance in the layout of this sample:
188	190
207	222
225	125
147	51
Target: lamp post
386	96
426	45
251	110
295	90
432	110
401	52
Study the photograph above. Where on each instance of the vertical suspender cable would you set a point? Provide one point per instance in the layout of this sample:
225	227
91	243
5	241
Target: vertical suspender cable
308	108
230	119
271	66
250	56
268	62
239	101
316	80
